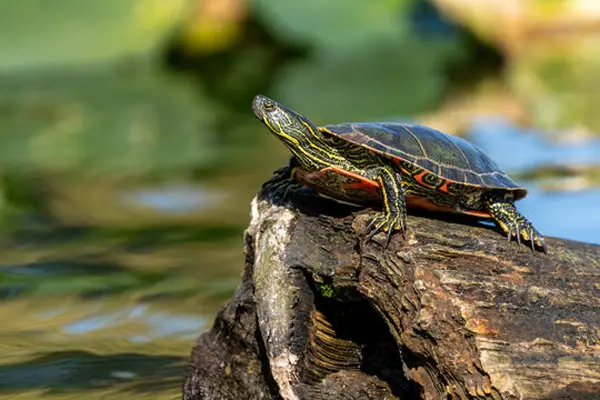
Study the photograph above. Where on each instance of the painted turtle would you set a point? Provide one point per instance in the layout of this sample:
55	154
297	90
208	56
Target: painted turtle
400	165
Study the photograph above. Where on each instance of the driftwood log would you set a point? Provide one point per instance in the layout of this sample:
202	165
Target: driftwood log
453	312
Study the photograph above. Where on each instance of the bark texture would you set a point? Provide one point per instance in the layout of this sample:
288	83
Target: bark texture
453	312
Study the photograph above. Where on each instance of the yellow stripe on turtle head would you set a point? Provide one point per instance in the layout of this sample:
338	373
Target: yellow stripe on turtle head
279	131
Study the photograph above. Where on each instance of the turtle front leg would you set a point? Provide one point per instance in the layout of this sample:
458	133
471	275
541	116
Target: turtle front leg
502	209
283	183
393	216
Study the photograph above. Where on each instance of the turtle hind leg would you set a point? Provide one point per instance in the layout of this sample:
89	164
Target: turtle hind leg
502	209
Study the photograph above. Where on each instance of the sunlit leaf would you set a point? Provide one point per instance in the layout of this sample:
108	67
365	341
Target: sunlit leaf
334	23
386	80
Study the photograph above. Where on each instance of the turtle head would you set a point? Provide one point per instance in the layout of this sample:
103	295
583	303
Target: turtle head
289	126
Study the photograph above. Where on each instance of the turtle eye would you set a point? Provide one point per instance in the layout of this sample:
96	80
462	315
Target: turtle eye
268	106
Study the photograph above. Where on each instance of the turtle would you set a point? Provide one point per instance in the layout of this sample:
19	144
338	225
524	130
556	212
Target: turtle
400	166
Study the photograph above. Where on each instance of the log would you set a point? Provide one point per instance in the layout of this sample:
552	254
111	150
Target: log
455	311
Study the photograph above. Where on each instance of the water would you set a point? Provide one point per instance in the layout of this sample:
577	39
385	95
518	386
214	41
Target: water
107	278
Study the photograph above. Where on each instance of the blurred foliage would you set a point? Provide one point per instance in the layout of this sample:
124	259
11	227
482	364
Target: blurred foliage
39	33
562	178
335	24
213	26
557	80
510	24
102	119
394	79
552	56
366	61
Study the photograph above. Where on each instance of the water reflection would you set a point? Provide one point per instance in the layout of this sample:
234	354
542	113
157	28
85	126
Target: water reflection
174	198
62	374
518	149
156	324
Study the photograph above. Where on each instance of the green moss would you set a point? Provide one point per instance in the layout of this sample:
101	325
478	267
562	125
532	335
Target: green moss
326	290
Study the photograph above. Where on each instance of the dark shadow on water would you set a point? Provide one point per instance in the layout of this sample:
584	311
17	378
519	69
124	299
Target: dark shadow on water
59	268
86	279
79	370
133	238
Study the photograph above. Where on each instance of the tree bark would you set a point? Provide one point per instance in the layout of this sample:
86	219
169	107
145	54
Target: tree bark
455	311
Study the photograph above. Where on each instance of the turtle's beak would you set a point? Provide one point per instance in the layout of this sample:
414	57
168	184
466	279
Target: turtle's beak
261	105
269	112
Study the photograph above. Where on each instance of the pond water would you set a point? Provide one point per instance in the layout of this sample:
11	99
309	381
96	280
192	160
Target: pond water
123	203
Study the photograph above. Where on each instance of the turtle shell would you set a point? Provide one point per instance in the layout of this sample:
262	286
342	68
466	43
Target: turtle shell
447	156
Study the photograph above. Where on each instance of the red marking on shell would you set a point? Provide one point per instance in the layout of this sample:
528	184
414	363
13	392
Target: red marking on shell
444	187
419	178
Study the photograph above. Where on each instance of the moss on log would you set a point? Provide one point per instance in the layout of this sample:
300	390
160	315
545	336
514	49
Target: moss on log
453	312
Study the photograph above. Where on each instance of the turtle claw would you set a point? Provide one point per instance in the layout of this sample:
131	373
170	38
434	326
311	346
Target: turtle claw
524	231
403	225
531	236
528	233
512	222
537	240
388	224
370	229
375	226
388	238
